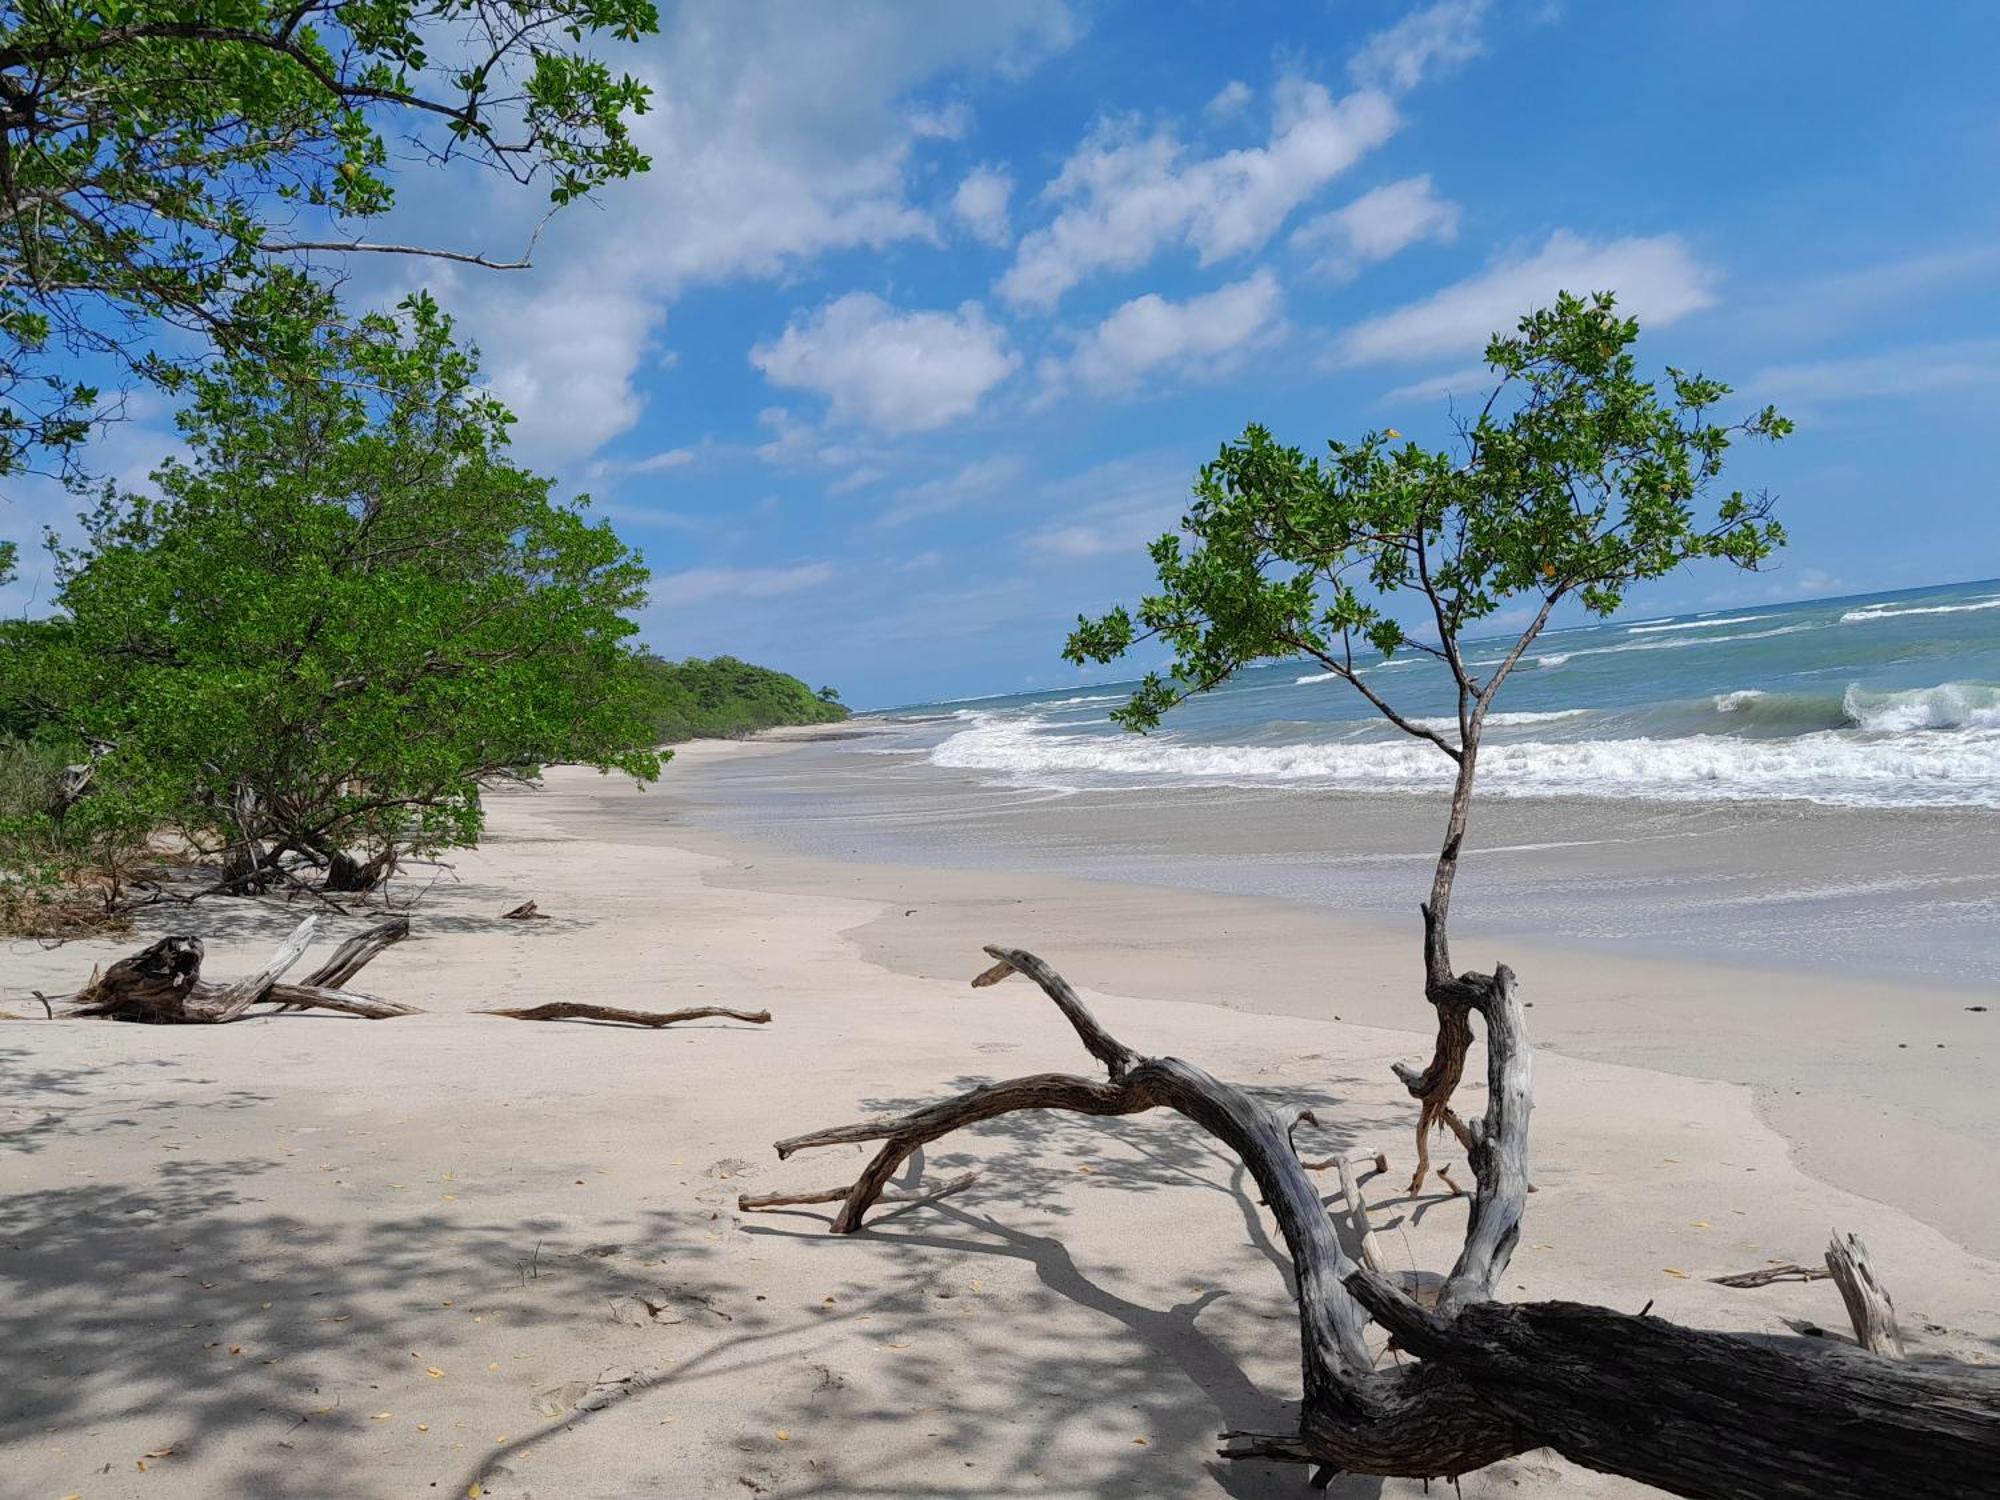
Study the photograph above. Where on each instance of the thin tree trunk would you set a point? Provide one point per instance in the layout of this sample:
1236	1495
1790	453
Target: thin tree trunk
1453	997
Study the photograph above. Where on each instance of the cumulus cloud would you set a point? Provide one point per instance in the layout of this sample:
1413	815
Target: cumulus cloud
694	586
1656	278
980	204
1377	225
780	133
894	371
1124	196
1425	42
1205	336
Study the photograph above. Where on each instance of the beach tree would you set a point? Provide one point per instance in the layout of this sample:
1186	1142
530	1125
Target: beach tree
173	173
1575	479
342	614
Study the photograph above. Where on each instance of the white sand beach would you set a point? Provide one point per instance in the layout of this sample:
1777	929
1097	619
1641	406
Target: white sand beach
454	1255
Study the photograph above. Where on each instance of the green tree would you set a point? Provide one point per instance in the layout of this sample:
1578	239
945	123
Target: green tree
344	614
1576	480
168	167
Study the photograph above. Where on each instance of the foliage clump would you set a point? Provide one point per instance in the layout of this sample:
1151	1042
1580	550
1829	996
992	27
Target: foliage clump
344	613
168	168
724	698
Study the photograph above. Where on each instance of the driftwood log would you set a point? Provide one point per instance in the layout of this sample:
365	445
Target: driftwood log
572	1010
1733	1417
162	985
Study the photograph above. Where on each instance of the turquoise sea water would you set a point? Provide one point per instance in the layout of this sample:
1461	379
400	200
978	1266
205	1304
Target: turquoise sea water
1874	700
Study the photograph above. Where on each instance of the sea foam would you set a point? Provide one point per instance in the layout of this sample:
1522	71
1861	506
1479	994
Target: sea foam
1944	767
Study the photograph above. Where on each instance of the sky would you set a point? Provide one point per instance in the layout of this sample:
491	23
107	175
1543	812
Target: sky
926	314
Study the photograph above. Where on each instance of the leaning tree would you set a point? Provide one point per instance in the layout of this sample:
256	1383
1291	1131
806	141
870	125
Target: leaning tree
1576	480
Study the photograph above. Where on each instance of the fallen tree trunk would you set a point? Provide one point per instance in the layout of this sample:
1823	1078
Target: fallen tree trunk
1710	1415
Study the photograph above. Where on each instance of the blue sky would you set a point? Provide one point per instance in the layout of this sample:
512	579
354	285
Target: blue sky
927	313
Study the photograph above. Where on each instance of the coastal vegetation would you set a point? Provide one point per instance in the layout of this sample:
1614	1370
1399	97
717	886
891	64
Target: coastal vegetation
302	655
341	614
1576	480
723	698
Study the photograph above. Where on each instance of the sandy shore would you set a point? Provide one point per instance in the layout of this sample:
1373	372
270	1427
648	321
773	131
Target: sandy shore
321	1257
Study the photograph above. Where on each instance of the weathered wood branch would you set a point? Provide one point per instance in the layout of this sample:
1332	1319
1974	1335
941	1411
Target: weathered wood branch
1709	1415
1765	1275
573	1010
1868	1306
751	1203
162	984
352	956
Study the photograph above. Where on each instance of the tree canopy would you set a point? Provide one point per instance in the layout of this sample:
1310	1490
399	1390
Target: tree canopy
343	614
1576	479
169	166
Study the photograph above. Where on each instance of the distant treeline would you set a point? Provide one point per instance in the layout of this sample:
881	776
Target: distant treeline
724	698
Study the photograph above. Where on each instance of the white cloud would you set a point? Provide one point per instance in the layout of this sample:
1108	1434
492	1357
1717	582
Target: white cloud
1435	39
1451	383
980	204
1927	370
949	122
1125	196
1202	337
1115	507
564	361
895	371
1377	225
1657	281
1230	100
976	480
779	133
654	463
702	585
657	463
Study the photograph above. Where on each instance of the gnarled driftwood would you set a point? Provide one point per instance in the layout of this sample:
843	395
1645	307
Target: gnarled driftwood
1712	1415
162	985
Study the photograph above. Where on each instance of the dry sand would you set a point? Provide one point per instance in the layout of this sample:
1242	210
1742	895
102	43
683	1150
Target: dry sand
310	1257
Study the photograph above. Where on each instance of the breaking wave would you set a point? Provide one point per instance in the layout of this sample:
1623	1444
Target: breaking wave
1891	612
1938	746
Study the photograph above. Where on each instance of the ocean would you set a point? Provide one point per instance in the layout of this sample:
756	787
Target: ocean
1879	700
1801	785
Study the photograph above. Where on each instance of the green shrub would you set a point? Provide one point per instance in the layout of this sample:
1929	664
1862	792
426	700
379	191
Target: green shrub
724	698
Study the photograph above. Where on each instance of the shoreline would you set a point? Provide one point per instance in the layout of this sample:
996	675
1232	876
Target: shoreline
1875	1083
414	1256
